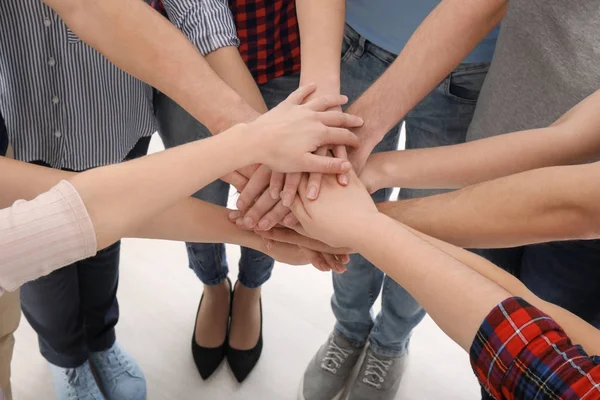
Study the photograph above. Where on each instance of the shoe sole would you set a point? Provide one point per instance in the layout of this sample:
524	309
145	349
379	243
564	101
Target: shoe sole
301	393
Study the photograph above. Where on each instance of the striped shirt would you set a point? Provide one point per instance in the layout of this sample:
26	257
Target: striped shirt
67	105
522	353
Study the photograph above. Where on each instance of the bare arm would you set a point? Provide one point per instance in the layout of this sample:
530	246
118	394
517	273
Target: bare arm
573	139
442	41
321	27
457	288
140	41
549	204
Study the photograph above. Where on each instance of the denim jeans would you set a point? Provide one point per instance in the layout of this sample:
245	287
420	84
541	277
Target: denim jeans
208	260
442	118
74	310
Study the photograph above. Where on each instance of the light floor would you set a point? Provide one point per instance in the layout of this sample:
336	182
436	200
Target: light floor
159	295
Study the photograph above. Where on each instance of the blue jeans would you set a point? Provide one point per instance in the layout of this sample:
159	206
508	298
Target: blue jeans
208	260
442	118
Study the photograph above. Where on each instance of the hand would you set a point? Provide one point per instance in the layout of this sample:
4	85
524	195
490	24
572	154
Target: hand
292	131
339	214
295	255
298	237
240	178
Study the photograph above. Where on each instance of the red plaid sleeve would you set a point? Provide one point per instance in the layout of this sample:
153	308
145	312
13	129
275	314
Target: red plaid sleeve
522	353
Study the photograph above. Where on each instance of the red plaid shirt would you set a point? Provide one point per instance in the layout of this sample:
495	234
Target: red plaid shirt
269	36
521	353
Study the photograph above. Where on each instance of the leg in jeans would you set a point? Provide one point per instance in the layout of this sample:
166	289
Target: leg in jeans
10	315
98	282
52	307
177	127
356	290
441	119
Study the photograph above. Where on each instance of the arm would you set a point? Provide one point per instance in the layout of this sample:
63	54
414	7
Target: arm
321	27
457	288
549	204
140	41
447	36
573	139
210	27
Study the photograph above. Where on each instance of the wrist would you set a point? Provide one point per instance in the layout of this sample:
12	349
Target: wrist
360	230
371	231
243	114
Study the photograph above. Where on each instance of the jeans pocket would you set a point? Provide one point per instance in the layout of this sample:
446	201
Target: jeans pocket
465	82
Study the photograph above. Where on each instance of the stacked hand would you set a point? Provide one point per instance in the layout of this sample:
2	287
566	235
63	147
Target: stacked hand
266	196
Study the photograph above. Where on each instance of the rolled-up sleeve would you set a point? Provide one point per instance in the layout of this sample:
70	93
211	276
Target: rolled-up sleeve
42	235
207	23
522	353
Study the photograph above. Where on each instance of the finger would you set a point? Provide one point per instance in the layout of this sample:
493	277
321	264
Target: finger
343	136
299	95
299	211
234	215
291	187
340	152
273	217
316	259
340	119
333	263
290	221
262	206
343	258
236	180
276	186
314	180
323	103
325	164
255	187
240	224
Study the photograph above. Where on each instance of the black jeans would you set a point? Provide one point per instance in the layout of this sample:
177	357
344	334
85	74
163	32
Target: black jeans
74	310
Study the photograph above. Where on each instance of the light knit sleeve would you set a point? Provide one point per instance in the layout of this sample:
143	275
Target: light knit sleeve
42	235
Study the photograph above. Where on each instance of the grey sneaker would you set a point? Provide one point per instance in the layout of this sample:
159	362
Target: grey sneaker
378	378
327	373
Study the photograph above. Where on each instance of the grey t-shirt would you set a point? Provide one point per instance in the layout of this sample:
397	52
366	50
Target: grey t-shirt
547	60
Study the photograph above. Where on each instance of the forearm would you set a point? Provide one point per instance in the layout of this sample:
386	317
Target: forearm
140	41
573	139
442	41
321	32
228	64
578	330
21	180
549	204
112	192
193	220
436	280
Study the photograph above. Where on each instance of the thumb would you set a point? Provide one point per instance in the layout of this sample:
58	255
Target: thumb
299	95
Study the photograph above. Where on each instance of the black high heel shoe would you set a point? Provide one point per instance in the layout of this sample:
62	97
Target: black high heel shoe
242	362
208	359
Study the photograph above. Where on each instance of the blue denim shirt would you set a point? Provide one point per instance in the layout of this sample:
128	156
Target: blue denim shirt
390	23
